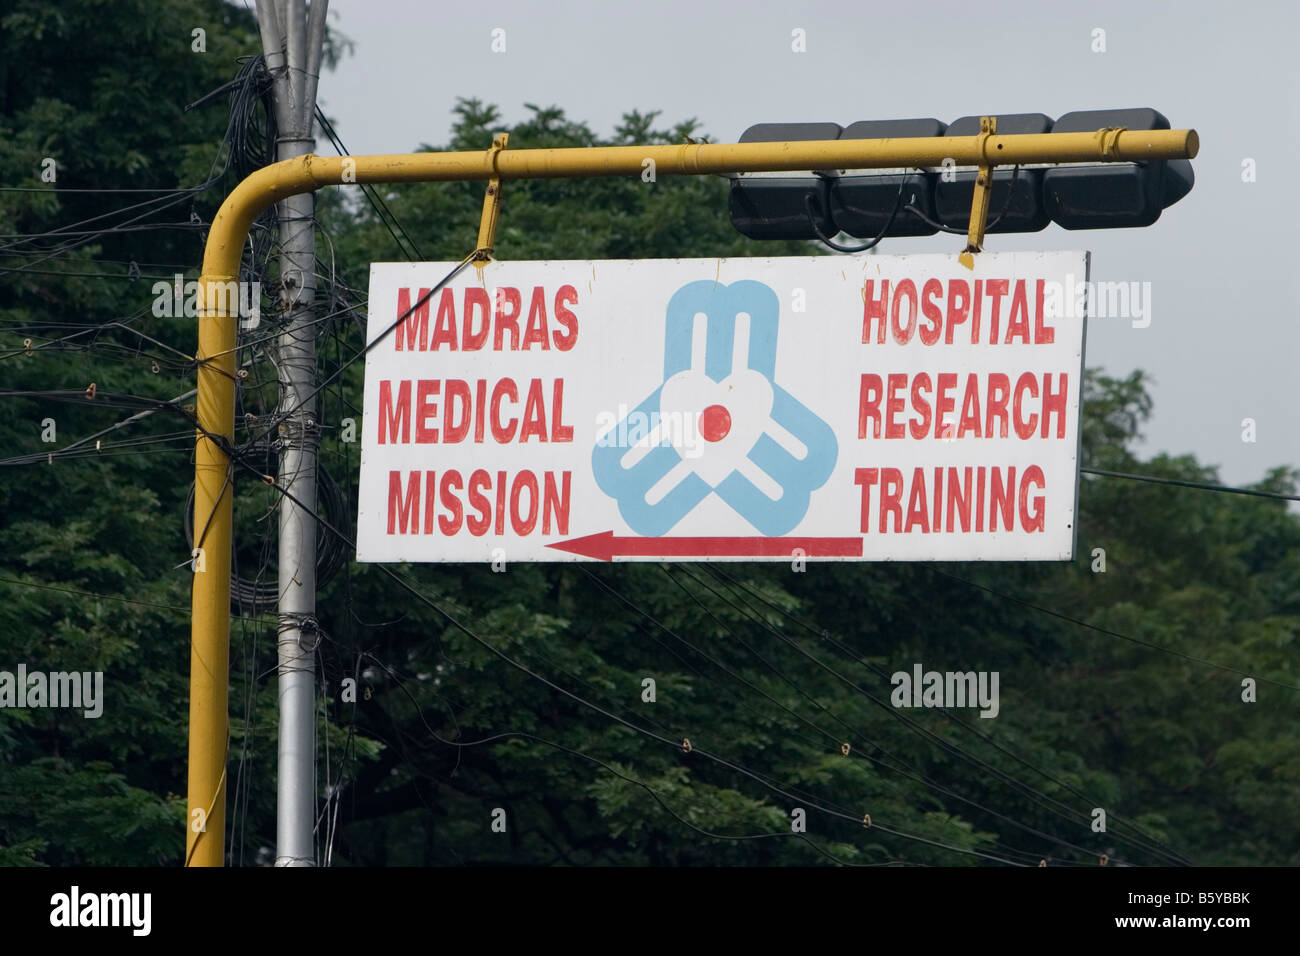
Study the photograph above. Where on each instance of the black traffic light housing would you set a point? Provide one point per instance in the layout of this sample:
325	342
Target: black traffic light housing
871	204
783	205
1113	195
1016	201
868	203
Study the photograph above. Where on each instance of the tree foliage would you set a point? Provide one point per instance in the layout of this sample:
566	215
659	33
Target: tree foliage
1111	697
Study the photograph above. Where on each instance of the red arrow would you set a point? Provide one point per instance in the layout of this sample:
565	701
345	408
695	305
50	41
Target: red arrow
603	546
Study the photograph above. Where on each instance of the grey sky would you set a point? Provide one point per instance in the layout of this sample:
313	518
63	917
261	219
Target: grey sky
1223	341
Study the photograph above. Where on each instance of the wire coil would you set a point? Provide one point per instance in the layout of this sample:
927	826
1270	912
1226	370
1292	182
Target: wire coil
254	596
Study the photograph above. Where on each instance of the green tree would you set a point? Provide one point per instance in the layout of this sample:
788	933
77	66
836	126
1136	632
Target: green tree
1111	697
101	89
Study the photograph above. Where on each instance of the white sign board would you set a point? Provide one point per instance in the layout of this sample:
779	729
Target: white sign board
899	408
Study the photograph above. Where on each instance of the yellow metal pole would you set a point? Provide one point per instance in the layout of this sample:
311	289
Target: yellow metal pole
210	629
210	619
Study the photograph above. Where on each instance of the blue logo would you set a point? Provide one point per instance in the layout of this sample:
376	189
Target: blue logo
719	423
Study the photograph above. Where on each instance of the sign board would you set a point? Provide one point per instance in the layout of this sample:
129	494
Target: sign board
898	408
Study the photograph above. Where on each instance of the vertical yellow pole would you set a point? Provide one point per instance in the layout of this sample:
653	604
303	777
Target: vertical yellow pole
210	624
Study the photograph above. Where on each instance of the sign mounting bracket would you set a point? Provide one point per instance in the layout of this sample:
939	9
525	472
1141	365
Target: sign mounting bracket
979	206
487	230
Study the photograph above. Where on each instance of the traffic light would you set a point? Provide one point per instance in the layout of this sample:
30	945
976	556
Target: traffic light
897	204
1016	202
783	205
872	204
1113	195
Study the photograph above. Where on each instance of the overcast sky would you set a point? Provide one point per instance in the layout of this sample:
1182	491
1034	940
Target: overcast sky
1223	340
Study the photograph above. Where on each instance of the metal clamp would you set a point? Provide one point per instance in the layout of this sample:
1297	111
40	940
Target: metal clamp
1109	138
979	206
487	229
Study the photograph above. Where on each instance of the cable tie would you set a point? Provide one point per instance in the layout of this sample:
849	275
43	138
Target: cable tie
866	820
90	392
845	748
686	744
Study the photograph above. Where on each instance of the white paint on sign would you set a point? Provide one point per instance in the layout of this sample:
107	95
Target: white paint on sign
681	409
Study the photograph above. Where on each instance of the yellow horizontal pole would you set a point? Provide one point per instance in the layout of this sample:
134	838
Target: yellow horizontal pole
210	628
273	183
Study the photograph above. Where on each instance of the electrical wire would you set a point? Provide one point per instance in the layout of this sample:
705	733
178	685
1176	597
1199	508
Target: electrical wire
406	245
508	735
102	597
1006	206
1044	800
1047	802
1190	658
523	668
1181	483
287	413
879	672
856	734
240	152
870	244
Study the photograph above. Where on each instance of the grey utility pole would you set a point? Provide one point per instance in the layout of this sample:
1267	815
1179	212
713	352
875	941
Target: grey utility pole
292	41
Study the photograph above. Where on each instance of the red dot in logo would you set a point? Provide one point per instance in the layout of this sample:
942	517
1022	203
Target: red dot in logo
715	423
